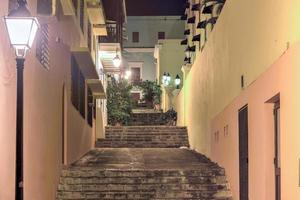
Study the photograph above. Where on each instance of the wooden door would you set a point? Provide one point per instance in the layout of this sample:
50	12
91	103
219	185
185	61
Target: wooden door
243	153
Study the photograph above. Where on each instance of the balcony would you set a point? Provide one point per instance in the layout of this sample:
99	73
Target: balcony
95	12
114	34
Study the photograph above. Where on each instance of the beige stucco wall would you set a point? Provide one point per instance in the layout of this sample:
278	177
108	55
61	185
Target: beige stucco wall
281	77
248	38
43	113
170	58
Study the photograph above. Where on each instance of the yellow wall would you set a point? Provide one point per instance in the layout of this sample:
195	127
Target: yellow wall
248	38
171	57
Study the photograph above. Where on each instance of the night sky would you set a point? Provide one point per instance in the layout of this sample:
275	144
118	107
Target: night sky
155	7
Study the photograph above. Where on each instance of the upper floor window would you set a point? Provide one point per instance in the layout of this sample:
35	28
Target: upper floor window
81	17
75	4
77	87
42	46
135	37
161	35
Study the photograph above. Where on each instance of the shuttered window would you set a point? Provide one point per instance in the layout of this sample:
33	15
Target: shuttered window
161	35
42	46
77	87
90	108
75	4
89	33
81	17
135	37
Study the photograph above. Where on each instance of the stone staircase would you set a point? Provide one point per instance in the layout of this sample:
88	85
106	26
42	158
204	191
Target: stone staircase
146	119
143	163
144	137
161	174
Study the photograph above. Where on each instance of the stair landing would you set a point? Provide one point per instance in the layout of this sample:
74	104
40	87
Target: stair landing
145	158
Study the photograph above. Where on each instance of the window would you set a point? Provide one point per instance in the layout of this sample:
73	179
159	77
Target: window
81	15
135	37
44	7
89	32
90	108
75	4
77	87
161	35
42	46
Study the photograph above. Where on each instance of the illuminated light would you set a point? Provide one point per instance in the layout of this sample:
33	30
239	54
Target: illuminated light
177	81
22	29
117	61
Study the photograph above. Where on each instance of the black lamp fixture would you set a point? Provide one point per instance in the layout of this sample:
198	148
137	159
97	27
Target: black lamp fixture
21	27
177	81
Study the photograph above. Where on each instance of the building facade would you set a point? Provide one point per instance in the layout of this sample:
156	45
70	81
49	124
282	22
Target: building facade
64	88
242	80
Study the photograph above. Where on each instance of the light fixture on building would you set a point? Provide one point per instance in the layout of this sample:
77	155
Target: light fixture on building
164	78
177	81
168	79
117	61
127	74
21	28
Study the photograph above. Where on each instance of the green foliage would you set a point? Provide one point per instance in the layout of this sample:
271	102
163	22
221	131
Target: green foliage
119	103
151	91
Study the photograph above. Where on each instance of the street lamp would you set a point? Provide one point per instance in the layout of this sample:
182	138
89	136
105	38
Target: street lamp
177	81
21	28
168	79
117	61
164	78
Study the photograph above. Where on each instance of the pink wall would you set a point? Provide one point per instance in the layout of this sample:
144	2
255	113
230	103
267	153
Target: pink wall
42	114
282	77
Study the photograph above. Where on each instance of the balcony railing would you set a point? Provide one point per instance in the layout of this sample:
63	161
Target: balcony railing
114	34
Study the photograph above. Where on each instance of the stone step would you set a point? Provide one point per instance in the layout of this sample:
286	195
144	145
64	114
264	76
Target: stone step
140	195
144	137
143	174
140	180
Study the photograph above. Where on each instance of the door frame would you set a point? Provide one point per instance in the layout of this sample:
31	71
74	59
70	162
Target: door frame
243	153
64	124
137	65
277	145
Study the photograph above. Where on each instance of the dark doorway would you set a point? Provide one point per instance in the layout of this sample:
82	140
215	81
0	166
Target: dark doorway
135	74
277	150
243	153
64	126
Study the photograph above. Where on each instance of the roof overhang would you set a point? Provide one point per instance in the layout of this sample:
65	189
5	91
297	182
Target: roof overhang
85	62
100	30
97	88
95	12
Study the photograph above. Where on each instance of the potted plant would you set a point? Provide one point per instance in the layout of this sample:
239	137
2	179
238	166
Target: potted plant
156	103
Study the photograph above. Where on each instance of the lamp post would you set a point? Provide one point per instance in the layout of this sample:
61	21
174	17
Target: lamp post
21	28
